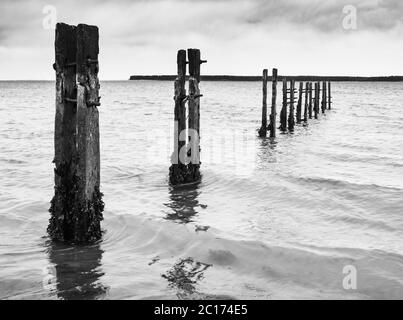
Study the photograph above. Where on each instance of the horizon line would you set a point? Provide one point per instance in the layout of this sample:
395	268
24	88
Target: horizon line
223	77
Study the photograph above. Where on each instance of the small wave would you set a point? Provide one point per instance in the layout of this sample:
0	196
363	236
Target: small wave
364	223
13	161
344	184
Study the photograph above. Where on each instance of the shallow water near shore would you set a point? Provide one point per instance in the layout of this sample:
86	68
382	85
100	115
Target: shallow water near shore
269	220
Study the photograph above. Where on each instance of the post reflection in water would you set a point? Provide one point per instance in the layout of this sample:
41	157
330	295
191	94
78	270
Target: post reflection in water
266	152
183	203
77	271
184	276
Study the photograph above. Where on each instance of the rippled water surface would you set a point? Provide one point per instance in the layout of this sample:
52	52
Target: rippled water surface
269	220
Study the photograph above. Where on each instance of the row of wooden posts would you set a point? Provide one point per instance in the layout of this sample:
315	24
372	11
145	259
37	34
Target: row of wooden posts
306	108
77	206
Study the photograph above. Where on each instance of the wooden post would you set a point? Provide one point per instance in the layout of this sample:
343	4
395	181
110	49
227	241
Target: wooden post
194	115
194	92
273	104
299	104
283	113
76	209
323	97
291	120
329	96
316	106
263	128
306	101
88	100
310	98
65	131
178	169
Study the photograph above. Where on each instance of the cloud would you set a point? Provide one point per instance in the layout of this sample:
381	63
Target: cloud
237	35
327	15
134	20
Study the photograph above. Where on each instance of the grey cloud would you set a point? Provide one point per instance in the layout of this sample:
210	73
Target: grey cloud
327	15
137	22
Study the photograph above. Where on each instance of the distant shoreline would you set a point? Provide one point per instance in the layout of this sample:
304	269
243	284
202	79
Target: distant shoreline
280	78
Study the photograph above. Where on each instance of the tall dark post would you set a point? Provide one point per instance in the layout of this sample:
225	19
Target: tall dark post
306	101
178	168
291	120
76	208
283	113
299	104
317	92
310	100
88	101
324	97
329	95
194	115
65	132
263	128
273	104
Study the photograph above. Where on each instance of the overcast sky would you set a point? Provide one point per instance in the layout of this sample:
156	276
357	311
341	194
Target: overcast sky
238	37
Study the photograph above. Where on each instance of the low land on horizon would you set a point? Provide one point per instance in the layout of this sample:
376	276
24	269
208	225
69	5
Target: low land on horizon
280	78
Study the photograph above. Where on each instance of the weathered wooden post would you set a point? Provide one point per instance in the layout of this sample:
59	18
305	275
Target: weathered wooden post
299	103
273	104
324	97
65	132
194	115
88	101
316	107
291	120
283	113
177	171
306	101
310	100
263	128
329	96
76	208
